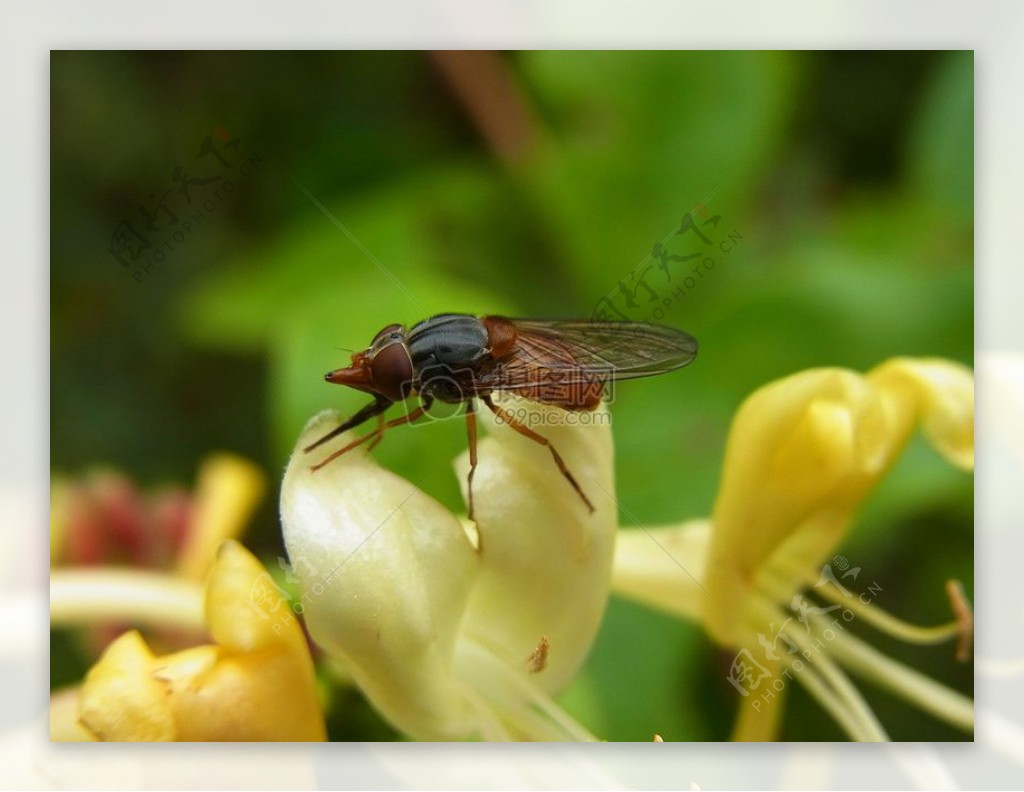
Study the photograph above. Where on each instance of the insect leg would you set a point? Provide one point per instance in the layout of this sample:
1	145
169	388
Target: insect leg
373	408
471	429
526	431
380	432
405	419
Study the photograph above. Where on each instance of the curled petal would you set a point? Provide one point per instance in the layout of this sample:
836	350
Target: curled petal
939	394
803	454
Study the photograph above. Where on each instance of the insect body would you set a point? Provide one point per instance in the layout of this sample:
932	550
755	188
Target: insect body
458	358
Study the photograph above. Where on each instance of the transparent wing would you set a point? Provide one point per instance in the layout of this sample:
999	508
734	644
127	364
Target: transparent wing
584	352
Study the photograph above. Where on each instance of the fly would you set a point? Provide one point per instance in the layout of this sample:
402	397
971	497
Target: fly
459	358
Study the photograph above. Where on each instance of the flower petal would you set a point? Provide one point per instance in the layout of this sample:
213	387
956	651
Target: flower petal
121	701
940	394
227	493
385	571
545	559
65	725
442	625
257	684
803	454
664	567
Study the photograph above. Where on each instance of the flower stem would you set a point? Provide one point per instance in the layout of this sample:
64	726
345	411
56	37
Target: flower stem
103	594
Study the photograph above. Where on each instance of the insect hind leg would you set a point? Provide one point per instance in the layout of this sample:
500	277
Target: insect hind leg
471	432
526	431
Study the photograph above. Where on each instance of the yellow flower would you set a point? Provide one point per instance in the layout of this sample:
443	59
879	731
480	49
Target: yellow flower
803	454
256	682
455	631
104	533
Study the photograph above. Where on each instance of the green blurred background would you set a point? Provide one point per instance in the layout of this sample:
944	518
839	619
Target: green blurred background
530	184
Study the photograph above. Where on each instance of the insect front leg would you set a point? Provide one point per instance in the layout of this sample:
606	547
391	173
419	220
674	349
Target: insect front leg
526	431
376	407
380	432
376	433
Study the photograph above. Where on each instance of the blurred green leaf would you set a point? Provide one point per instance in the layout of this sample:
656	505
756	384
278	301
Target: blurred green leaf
940	151
639	138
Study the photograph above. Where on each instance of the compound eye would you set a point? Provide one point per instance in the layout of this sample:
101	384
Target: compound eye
390	332
391	369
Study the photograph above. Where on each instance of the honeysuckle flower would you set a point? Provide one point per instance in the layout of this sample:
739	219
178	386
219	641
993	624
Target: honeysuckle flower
255	682
455	630
105	534
803	454
252	683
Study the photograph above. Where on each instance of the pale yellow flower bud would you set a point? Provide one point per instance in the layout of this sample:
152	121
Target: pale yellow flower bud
803	454
437	631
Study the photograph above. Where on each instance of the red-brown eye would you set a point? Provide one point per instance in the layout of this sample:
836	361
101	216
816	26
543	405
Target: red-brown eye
391	369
